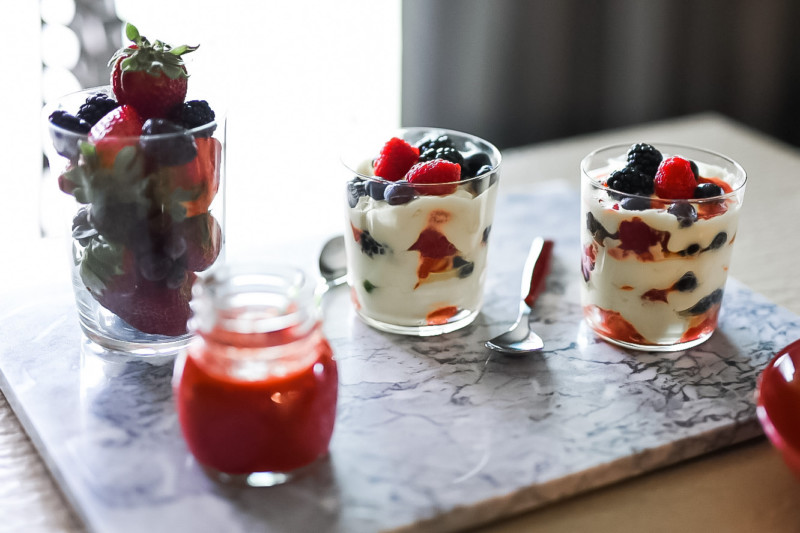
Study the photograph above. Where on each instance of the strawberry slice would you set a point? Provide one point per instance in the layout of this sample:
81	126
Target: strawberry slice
119	128
151	77
396	157
435	171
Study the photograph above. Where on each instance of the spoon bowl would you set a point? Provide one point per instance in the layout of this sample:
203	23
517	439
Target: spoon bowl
333	262
519	339
778	404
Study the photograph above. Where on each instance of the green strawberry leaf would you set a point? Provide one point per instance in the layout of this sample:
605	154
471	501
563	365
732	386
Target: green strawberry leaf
131	32
102	261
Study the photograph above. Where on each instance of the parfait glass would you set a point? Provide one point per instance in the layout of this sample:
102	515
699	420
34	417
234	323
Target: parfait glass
417	252
654	269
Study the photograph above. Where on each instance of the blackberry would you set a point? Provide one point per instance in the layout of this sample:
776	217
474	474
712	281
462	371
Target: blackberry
442	141
707	190
631	181
370	246
193	114
177	149
644	158
69	122
96	107
448	153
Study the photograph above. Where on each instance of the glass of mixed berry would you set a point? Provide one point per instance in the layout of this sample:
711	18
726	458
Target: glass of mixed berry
145	166
657	230
419	205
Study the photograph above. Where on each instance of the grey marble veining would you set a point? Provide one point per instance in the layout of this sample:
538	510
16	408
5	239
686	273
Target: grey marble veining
431	434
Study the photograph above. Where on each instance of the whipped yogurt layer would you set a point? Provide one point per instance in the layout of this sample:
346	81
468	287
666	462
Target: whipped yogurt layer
655	275
422	262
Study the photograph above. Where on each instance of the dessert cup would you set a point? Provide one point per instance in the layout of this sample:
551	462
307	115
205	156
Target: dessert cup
416	252
146	221
654	270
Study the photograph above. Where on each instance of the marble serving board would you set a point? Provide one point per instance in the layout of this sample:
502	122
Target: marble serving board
432	434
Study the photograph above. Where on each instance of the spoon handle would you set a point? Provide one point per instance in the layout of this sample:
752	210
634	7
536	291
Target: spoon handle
536	269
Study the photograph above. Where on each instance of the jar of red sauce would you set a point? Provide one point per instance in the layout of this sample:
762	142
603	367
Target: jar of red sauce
256	391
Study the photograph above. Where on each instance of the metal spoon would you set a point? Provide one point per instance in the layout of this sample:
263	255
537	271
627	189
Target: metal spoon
519	339
333	262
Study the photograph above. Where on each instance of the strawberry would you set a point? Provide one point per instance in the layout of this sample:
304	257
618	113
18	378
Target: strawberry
149	76
435	171
116	72
203	236
121	127
200	176
674	179
396	157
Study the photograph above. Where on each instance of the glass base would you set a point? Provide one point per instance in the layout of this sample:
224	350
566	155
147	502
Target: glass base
461	319
267	479
656	347
109	332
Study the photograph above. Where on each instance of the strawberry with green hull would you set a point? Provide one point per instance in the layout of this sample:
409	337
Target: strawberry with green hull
149	76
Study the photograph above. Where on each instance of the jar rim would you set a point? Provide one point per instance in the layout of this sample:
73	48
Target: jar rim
252	298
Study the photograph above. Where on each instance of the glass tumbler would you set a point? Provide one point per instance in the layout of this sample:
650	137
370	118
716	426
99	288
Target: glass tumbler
256	391
654	269
146	221
416	251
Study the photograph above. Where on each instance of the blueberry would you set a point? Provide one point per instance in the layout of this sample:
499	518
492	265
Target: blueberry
719	240
695	170
707	190
705	303
355	190
176	277
483	170
375	189
687	283
476	162
691	249
635	203
684	212
485	236
177	147
154	266
399	193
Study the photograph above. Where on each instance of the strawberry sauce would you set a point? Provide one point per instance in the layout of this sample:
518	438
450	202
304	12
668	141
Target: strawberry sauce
274	424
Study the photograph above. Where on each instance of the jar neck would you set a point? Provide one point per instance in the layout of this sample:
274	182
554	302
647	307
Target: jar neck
254	307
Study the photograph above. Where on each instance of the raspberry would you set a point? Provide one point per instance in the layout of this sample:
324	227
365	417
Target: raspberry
395	159
436	171
675	179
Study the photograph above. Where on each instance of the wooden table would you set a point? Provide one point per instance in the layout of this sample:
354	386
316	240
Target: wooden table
744	488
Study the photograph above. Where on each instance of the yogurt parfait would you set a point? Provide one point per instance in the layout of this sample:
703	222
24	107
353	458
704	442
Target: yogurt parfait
658	225
420	205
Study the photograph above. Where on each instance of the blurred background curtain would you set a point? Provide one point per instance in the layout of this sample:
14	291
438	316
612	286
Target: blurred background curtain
522	71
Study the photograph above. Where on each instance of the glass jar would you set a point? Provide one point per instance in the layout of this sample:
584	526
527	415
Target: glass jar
256	390
145	216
